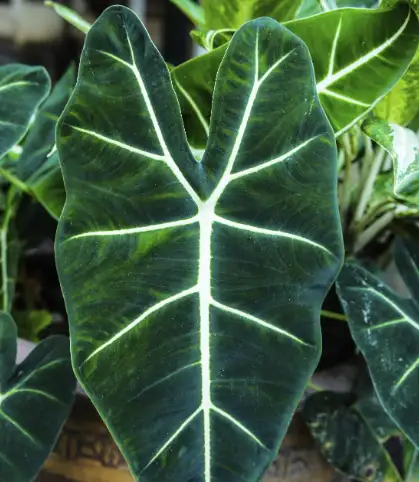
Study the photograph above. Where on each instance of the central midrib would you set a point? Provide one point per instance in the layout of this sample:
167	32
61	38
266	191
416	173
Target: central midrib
206	215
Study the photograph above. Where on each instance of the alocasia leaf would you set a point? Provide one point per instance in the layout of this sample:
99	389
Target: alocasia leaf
346	439
38	167
358	56
22	89
385	327
313	7
35	399
220	14
403	146
41	137
193	288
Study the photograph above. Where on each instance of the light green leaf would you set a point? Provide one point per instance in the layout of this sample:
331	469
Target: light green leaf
401	105
313	7
193	288
385	327
403	146
220	14
358	56
411	462
192	10
31	323
22	89
48	187
35	399
346	439
70	16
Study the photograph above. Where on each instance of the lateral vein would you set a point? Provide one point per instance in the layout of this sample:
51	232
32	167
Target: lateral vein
330	79
127	147
270	232
264	165
344	98
239	425
141	229
138	320
258	321
173	437
406	374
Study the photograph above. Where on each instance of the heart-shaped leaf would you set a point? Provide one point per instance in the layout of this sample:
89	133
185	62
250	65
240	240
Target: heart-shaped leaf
403	146
193	288
358	56
385	327
35	399
22	89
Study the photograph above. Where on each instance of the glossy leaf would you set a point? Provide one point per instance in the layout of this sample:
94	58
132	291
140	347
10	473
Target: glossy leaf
385	327
35	399
220	14
22	89
403	146
70	16
401	105
346	440
313	7
48	187
192	10
41	138
358	56
194	288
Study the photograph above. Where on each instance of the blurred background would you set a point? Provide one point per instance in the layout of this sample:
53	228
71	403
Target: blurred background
34	34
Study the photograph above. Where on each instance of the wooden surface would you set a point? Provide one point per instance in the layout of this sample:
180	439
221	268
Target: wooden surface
86	453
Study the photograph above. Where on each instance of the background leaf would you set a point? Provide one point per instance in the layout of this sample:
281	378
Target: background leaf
403	146
22	89
192	10
34	403
385	328
358	56
196	277
346	439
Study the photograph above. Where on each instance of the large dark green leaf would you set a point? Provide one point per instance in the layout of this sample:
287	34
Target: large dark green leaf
346	439
35	399
385	327
22	89
358	56
194	288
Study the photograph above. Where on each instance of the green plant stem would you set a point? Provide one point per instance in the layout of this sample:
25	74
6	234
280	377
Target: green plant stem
369	185
14	180
11	203
333	315
347	179
412	467
314	387
370	233
378	210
